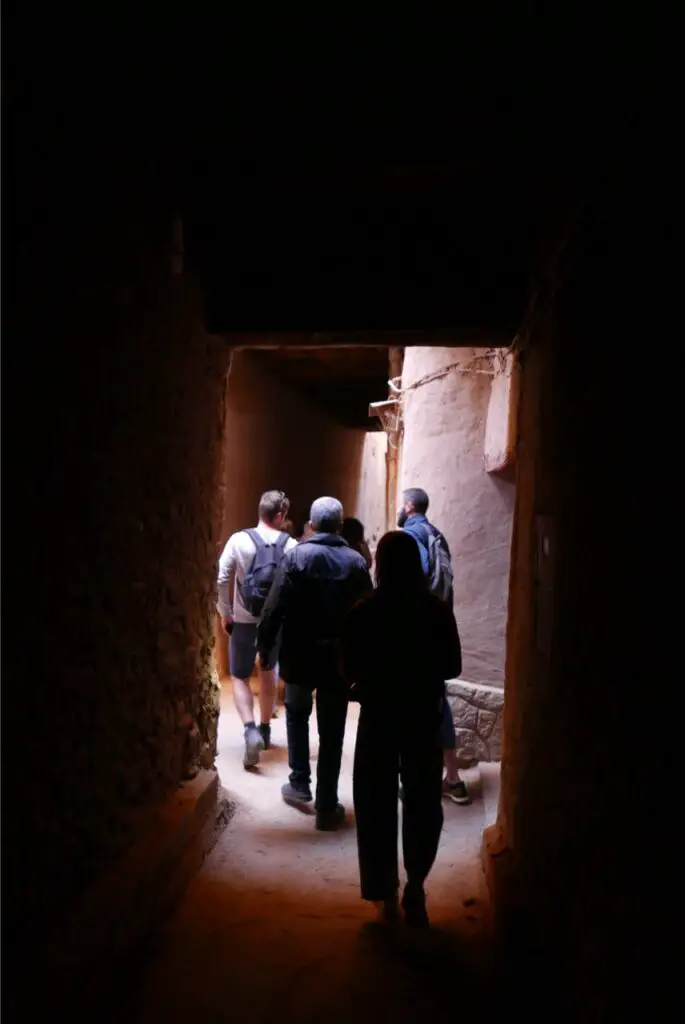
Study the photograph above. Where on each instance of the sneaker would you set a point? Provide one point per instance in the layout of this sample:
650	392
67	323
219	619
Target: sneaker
414	907
328	821
265	731
456	792
294	796
254	744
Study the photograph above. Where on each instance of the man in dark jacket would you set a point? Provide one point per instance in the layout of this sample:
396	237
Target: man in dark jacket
315	587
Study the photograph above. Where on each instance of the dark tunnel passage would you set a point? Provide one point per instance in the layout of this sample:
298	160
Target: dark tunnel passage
138	269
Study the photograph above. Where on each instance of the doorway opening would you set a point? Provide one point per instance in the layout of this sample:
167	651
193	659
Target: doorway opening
363	424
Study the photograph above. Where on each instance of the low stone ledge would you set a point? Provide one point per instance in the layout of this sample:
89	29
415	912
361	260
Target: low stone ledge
126	904
477	714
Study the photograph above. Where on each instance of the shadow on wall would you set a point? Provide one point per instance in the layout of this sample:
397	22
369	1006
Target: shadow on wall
276	439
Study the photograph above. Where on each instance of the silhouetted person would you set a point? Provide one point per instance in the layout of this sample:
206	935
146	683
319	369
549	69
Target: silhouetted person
436	560
247	569
399	645
303	529
317	584
353	532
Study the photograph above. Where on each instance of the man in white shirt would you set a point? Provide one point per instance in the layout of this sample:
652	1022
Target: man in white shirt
247	567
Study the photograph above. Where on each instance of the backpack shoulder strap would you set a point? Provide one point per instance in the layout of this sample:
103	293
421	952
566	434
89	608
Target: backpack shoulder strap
256	538
439	537
282	541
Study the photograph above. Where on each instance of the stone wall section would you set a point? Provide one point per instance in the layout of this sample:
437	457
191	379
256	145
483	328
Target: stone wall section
477	714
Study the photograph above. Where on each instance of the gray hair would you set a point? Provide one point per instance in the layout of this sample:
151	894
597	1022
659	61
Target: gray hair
326	515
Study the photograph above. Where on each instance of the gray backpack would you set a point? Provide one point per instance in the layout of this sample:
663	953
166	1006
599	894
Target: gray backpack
259	578
440	575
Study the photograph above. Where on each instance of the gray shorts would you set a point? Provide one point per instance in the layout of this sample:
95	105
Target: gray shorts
242	650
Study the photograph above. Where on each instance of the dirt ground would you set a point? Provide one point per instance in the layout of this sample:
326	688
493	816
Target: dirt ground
273	925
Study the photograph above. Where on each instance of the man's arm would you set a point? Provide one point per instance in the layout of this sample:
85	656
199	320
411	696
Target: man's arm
275	608
226	581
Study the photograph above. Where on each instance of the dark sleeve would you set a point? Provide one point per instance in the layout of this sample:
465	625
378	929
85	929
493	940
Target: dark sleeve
352	644
450	644
363	583
275	608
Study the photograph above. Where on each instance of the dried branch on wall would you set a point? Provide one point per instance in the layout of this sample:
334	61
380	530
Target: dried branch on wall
456	367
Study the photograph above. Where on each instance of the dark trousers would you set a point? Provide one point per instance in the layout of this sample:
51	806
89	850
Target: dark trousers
331	714
413	750
447	730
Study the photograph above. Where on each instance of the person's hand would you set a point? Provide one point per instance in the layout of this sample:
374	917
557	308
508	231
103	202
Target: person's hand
227	623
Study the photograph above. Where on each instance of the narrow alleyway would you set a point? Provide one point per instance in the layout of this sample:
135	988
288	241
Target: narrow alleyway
273	927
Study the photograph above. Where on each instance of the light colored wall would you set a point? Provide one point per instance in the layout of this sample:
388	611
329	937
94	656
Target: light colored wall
444	452
500	424
370	504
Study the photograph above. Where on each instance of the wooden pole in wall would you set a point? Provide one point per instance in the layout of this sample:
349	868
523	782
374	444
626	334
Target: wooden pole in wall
392	458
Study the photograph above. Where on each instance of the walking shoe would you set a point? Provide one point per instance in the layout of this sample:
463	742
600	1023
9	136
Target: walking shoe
456	792
296	797
388	910
328	821
414	907
254	744
265	731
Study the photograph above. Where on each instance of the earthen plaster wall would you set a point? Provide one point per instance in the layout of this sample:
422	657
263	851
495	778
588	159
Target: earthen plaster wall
578	763
117	420
276	439
444	452
370	503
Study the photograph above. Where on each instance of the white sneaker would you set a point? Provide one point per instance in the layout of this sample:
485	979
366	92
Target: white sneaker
254	744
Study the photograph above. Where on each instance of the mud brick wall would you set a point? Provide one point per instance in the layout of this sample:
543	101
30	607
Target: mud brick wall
114	422
276	439
584	633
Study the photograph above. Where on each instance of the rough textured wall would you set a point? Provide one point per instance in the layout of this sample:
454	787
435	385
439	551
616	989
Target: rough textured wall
276	439
577	765
444	452
115	460
370	504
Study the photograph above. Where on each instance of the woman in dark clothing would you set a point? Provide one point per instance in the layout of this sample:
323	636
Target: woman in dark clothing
398	647
353	532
